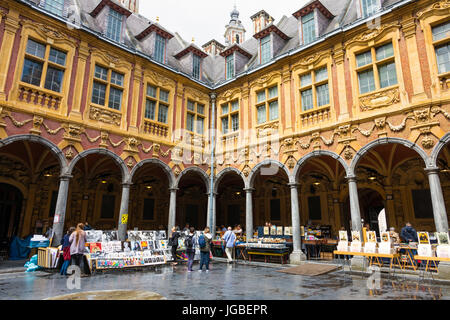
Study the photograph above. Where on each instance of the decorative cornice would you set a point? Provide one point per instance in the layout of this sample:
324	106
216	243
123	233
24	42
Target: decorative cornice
372	34
268	30
106	116
157	29
112	5
441	7
379	99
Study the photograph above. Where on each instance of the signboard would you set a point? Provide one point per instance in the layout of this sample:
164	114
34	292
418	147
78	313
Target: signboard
382	224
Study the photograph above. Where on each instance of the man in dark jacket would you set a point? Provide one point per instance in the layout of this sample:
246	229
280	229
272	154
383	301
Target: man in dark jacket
173	242
409	234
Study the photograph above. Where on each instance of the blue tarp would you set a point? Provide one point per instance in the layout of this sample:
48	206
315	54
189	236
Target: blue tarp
18	250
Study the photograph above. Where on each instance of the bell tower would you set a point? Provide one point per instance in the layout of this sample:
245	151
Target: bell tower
234	31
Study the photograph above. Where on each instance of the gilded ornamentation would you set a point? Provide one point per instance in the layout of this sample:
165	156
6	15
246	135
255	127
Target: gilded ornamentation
427	142
291	162
438	6
72	132
37	123
69	153
371	34
159	79
156	149
177	171
130	163
105	116
132	144
104	136
16	123
50	131
312	59
379	99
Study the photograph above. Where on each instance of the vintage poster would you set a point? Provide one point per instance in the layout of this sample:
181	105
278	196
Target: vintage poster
356	236
279	231
385	237
372	236
423	237
266	231
443	238
343	236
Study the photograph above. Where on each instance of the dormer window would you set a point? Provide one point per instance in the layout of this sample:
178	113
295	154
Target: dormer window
369	7
160	49
114	30
308	28
54	6
266	54
196	66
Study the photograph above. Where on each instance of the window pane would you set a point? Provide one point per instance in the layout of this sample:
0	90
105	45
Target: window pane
53	80
385	51
309	28
114	25
265	50
225	125
321	74
200	109
151	91
116	78
150	108
230	66
307	100
55	6
273	110
32	72
366	81
200	124
190	122
364	59
101	73
442	31
235	122
196	66
388	75
323	97
35	49
273	92
369	7
305	80
164	95
162	113
261	114
115	98
57	56
235	105
261	96
99	93
225	109
191	106
160	48
443	58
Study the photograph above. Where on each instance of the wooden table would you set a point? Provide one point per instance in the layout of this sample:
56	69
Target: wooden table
267	253
429	260
374	258
409	262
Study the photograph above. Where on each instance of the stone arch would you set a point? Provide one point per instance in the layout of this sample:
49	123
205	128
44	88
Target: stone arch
200	171
364	150
252	175
126	178
314	154
222	173
159	163
438	148
38	139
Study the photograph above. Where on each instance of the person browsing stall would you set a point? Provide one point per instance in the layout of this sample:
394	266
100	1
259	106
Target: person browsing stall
230	239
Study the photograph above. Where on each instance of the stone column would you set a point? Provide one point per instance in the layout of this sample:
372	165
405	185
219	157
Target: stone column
123	217
354	204
297	255
437	199
358	263
249	212
60	210
212	212
172	210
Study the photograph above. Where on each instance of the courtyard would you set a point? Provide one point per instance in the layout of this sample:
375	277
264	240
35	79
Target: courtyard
224	282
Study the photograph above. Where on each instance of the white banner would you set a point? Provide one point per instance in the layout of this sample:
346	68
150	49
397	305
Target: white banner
382	224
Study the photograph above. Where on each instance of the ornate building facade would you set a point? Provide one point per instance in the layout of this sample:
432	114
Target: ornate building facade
328	116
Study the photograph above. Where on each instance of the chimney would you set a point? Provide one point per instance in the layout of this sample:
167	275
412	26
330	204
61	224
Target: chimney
132	5
261	20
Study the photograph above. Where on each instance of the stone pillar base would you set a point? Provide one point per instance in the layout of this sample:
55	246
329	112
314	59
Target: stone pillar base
443	271
297	257
359	263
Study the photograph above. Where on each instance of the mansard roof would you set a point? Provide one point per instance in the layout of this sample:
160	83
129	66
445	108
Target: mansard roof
268	30
235	47
310	6
342	15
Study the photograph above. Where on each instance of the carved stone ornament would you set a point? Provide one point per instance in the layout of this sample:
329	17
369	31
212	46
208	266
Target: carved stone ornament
246	171
427	142
73	132
69	153
371	34
379	99
130	163
177	171
267	130
380	123
291	162
441	5
132	144
37	123
105	116
348	154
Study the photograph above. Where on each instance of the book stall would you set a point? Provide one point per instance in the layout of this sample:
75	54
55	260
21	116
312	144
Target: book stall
273	243
427	253
317	242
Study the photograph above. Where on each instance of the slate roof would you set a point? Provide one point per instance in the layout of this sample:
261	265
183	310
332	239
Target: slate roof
344	12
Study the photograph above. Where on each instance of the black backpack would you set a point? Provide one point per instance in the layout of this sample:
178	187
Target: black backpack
188	242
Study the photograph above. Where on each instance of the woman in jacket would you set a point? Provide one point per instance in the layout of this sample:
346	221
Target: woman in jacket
173	241
77	246
66	250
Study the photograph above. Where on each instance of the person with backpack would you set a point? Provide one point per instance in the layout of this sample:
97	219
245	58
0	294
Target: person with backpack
173	242
66	250
190	243
204	243
230	239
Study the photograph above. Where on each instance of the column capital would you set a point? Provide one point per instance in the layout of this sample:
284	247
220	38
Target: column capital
294	185
351	178
213	97
249	190
173	189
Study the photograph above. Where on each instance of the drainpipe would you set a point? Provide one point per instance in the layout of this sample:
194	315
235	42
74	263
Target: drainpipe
212	210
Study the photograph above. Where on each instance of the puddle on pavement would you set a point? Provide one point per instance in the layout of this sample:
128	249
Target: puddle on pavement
111	295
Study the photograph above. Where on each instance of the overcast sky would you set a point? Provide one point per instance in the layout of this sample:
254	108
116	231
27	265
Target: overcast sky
206	19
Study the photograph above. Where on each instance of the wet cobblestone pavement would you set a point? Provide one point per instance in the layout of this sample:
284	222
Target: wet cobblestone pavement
223	282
